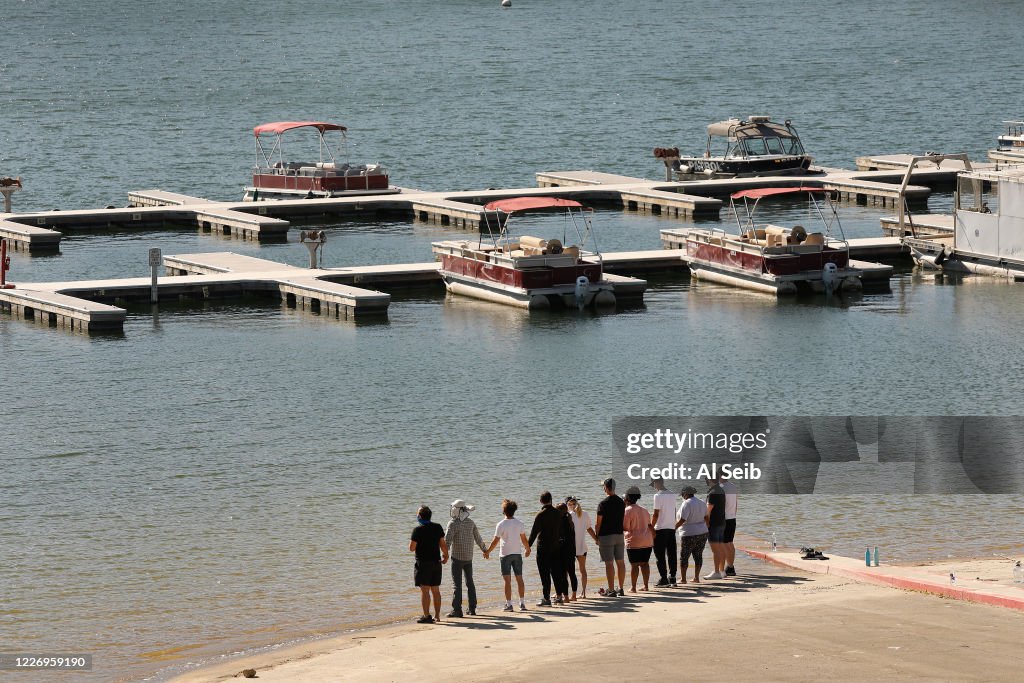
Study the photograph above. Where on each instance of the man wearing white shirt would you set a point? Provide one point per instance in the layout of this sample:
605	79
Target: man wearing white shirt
664	525
732	497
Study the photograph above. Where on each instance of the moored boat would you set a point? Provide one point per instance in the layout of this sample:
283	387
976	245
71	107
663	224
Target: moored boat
274	177
526	271
756	146
988	227
771	258
1010	145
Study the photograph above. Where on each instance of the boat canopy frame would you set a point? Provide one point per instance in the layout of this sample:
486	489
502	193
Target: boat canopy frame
279	128
575	213
738	133
825	210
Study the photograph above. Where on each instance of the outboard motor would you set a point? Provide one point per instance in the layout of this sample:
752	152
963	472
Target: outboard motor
830	277
582	287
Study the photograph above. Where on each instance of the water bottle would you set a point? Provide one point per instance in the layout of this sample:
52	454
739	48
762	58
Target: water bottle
876	556
1018	573
867	556
775	545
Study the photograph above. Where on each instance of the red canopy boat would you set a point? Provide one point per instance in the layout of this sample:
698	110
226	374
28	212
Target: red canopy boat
525	271
276	178
771	258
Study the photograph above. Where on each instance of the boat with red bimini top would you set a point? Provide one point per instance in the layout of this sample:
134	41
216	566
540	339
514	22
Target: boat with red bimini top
275	178
774	259
529	272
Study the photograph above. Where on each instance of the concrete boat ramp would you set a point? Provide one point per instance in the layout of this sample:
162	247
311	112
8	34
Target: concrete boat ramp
265	221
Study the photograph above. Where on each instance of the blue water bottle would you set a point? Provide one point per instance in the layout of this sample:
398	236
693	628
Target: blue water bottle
867	556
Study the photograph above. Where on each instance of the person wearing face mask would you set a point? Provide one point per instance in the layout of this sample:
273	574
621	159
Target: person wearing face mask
460	536
428	543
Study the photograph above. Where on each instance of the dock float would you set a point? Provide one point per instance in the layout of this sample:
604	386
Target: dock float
55	309
924	225
269	220
94	305
29	238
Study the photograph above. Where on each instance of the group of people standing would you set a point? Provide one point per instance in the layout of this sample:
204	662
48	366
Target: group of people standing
622	528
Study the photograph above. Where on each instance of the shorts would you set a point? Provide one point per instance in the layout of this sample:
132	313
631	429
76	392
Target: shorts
639	555
512	564
716	534
730	530
427	573
611	547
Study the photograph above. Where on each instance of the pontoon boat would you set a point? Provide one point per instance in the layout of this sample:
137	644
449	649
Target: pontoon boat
329	176
529	272
774	259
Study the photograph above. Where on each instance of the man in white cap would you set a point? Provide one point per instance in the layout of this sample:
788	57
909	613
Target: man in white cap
460	536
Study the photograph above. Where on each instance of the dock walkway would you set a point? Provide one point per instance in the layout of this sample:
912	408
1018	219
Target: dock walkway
39	232
92	306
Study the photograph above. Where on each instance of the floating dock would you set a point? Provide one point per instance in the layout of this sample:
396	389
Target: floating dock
41	232
93	306
923	225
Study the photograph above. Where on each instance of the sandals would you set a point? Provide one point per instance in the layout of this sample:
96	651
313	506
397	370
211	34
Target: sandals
812	554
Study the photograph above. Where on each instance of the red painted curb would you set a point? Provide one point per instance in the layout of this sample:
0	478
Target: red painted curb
918	585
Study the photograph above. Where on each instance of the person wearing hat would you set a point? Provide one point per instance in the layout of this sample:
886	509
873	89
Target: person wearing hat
692	516
460	536
636	527
663	522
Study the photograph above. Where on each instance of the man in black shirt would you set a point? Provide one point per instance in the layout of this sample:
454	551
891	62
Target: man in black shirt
428	543
610	541
547	525
716	528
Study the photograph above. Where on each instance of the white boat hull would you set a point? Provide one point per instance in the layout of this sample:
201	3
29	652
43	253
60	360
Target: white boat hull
847	280
598	294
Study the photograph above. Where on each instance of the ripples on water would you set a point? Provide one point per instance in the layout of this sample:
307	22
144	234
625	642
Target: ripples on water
230	475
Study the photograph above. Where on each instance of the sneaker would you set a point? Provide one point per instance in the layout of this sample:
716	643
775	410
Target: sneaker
453	613
425	619
663	583
672	581
508	608
543	603
559	601
730	571
522	606
714	575
471	612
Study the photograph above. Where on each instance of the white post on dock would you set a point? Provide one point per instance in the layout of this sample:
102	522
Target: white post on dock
155	260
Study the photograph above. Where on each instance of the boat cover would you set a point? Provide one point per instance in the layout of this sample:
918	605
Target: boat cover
734	128
526	203
281	126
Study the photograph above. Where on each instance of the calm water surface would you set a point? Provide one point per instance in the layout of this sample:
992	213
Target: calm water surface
229	476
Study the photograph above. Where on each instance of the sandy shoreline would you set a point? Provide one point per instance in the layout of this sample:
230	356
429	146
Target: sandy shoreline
771	622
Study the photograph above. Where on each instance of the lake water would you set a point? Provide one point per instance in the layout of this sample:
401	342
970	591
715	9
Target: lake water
234	475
